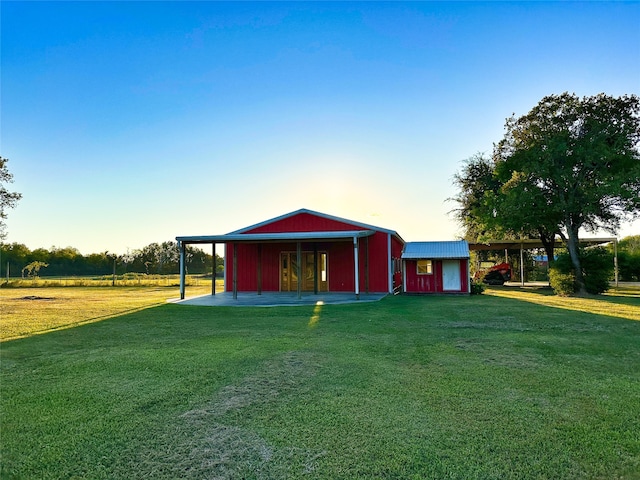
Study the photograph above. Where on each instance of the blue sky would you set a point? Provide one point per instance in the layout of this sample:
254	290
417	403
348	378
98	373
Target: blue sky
128	123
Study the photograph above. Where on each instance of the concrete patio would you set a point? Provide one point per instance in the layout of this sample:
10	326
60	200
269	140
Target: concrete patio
277	299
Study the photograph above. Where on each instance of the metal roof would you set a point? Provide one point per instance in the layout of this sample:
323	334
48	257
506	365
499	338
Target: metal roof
433	250
529	243
275	237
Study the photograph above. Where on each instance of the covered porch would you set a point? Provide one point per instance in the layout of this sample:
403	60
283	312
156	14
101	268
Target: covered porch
296	241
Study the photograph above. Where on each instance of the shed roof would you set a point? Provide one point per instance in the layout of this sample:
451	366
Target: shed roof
433	250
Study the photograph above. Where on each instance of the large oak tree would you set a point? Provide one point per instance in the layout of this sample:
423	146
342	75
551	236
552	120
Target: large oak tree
569	164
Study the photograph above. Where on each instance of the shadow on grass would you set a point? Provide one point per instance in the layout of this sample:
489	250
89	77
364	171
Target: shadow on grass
622	302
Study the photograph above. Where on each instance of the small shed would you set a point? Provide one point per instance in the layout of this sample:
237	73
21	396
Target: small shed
436	267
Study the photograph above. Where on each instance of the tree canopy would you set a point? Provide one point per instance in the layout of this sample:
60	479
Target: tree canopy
7	199
569	164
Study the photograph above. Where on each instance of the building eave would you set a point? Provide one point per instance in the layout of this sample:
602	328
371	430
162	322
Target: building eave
335	235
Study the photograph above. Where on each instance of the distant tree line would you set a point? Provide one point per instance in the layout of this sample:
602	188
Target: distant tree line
156	258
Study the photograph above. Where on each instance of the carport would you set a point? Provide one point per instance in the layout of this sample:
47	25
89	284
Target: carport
533	244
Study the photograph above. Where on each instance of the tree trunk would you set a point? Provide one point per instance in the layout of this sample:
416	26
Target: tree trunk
549	243
572	246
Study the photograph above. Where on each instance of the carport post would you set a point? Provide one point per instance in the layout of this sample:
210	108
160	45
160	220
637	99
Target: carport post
615	260
182	270
521	265
235	271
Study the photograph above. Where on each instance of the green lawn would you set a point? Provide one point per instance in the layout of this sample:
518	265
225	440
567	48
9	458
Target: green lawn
410	387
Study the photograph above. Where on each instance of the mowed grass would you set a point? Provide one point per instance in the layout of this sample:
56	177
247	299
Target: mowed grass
409	387
622	301
27	311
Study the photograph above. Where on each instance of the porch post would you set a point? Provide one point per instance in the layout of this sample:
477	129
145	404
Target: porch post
315	268
213	271
366	265
259	269
235	271
356	266
299	268
182	271
390	264
225	266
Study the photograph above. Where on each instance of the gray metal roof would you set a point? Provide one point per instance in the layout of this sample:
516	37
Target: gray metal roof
530	243
275	237
433	250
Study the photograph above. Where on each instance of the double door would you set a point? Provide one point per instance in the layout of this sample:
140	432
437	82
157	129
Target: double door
313	272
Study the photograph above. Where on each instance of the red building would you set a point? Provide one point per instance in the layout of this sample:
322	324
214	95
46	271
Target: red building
436	267
307	251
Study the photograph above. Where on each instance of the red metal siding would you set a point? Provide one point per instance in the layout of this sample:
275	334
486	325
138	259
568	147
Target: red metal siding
378	262
341	267
464	276
304	222
373	256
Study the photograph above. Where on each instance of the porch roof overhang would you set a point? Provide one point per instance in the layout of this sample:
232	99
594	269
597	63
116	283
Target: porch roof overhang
276	237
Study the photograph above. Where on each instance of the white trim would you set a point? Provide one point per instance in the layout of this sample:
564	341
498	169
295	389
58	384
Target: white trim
404	275
356	266
390	264
281	237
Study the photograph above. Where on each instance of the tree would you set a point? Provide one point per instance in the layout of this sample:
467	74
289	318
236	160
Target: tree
628	258
7	199
487	211
569	164
575	162
478	186
630	245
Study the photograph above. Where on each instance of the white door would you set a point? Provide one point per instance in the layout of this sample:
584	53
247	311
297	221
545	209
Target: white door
451	275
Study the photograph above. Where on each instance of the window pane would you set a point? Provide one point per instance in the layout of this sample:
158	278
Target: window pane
425	267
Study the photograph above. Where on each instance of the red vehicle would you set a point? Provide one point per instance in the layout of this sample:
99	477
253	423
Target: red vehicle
496	275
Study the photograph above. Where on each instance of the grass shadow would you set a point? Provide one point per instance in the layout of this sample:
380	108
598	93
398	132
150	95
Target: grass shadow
621	302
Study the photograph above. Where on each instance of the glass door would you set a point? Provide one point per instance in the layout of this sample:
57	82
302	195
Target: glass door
310	274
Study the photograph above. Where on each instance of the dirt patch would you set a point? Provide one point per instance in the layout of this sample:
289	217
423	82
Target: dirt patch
211	446
35	297
278	376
